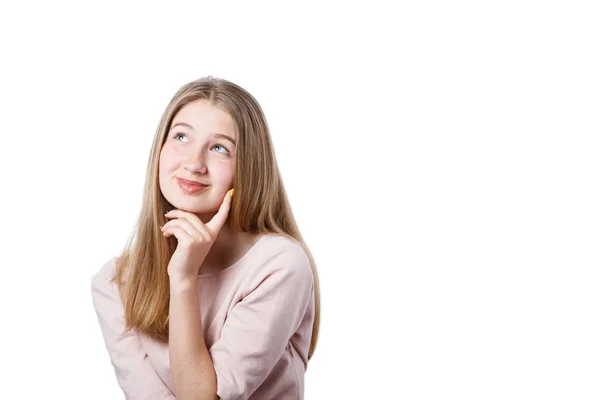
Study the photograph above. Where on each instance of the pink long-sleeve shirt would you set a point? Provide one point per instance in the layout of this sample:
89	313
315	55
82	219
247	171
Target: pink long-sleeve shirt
257	316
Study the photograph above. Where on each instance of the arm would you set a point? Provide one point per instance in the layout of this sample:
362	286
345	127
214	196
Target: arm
258	327
191	365
135	374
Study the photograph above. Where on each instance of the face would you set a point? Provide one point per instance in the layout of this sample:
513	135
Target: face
197	148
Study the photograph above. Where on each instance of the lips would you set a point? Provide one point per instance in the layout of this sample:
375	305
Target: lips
190	187
190	183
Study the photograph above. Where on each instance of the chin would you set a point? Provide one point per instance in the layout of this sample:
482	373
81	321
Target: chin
194	206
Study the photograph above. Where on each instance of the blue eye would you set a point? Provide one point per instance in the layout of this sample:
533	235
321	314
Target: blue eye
223	147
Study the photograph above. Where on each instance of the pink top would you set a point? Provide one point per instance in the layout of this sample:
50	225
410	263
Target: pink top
257	316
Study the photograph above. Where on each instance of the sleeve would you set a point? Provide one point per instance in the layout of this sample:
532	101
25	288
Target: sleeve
135	374
258	327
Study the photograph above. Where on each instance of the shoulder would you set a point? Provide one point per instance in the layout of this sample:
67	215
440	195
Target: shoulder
278	251
106	270
272	243
281	260
104	292
102	278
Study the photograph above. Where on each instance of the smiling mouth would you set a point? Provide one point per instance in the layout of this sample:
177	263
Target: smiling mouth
189	187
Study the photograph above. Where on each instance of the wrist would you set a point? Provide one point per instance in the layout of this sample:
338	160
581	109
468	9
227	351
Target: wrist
182	281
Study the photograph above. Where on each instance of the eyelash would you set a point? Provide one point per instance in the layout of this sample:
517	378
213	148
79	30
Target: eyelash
182	134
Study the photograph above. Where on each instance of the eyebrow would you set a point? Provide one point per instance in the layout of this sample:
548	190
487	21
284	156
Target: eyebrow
216	134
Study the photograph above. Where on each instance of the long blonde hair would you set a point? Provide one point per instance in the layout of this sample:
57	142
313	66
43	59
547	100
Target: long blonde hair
260	205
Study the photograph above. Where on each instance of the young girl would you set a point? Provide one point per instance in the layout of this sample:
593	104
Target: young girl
216	294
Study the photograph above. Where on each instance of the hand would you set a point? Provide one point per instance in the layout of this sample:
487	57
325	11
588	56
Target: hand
194	238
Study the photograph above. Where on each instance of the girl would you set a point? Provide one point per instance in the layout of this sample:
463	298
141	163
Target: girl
216	294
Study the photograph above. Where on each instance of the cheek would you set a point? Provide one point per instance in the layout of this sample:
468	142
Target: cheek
223	176
165	169
166	159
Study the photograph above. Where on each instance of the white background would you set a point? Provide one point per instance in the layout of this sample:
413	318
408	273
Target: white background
441	158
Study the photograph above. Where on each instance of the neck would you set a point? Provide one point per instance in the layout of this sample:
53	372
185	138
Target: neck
224	246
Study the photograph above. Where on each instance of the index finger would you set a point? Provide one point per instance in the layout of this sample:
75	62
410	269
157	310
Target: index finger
217	222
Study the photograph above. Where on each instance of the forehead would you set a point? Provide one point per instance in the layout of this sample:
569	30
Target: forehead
204	116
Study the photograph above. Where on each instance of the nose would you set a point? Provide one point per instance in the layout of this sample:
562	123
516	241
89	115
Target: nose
195	163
